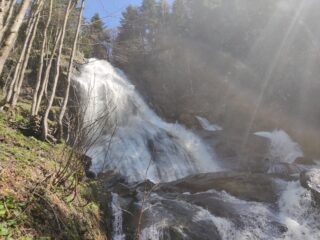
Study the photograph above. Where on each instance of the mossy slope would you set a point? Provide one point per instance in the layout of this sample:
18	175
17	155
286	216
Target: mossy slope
30	207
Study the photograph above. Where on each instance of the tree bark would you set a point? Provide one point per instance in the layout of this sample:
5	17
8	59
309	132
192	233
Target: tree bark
42	55
24	66
70	70
22	55
13	33
3	10
44	132
7	15
47	74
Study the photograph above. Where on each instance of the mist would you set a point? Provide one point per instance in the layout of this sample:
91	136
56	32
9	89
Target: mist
244	65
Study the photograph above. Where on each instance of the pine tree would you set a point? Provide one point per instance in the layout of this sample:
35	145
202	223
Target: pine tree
95	39
128	45
179	18
163	10
149	22
101	38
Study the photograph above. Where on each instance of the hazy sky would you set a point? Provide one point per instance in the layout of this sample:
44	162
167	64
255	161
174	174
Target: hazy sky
109	10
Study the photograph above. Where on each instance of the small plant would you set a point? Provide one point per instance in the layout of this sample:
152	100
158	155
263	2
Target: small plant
10	210
2	117
20	119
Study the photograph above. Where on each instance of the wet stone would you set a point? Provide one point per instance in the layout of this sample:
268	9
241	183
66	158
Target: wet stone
311	181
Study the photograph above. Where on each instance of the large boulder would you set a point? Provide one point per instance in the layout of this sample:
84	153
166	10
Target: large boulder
311	181
250	156
245	186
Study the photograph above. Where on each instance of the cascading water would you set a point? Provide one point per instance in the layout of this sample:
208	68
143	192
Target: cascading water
131	139
206	125
117	221
283	151
282	147
127	137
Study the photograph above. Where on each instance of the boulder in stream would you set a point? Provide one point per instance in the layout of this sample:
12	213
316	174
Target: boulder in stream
245	186
311	181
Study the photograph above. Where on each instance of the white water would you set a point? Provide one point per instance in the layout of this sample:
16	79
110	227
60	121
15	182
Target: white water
282	147
256	220
142	145
154	232
117	221
298	213
206	125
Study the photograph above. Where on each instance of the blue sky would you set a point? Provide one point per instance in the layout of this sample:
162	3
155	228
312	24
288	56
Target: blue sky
109	10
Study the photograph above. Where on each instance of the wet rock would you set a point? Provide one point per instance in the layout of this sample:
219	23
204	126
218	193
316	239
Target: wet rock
251	155
187	119
110	179
87	162
304	161
286	170
245	186
311	181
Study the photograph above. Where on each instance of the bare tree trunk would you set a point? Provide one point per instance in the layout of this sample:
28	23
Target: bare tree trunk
24	66
8	14
13	33
40	71
3	4
22	55
70	69
46	76
44	132
46	86
5	87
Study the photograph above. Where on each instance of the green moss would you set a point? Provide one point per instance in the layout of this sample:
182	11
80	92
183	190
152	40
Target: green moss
93	208
20	119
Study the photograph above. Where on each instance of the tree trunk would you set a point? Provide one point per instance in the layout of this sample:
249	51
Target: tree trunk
22	55
42	55
3	10
70	69
44	132
13	33
8	14
46	76
6	83
24	66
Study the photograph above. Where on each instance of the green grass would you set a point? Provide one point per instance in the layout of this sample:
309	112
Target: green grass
11	215
25	161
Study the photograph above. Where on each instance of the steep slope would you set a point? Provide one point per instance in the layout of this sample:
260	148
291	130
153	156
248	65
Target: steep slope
32	206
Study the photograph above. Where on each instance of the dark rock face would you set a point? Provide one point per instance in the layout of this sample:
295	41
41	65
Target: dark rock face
311	181
239	154
245	186
195	207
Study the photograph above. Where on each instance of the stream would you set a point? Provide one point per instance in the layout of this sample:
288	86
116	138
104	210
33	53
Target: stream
172	183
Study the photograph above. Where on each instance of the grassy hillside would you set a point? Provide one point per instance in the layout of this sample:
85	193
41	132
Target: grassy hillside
32	204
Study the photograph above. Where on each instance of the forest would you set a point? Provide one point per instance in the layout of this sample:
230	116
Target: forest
194	120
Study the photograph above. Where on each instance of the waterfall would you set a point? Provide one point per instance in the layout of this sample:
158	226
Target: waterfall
282	147
117	221
127	137
298	213
206	125
130	138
